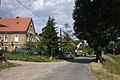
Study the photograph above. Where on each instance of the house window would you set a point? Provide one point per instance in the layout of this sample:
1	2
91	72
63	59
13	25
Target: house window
0	38
31	25
16	38
6	48
6	38
16	47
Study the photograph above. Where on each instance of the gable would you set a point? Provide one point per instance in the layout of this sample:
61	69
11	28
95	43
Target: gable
31	29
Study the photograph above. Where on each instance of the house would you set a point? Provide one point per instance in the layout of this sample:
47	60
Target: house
16	32
79	48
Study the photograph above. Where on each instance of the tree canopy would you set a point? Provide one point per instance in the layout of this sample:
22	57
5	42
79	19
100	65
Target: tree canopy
97	21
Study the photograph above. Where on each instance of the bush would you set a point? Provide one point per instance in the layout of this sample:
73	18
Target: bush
69	49
113	47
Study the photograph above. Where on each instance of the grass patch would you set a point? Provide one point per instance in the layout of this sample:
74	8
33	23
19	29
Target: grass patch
100	75
112	64
108	70
8	66
28	57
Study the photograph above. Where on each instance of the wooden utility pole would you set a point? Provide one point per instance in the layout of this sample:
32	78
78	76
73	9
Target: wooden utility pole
60	40
0	4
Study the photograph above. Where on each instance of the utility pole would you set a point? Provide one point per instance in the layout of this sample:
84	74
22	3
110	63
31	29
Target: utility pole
60	41
0	5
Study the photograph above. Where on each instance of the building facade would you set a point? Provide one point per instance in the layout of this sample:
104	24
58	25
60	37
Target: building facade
16	32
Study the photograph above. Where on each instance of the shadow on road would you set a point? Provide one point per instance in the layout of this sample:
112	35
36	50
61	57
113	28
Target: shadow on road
84	60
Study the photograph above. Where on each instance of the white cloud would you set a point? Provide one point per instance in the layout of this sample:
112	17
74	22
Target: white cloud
60	9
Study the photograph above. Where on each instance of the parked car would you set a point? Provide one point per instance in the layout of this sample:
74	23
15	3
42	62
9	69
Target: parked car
68	55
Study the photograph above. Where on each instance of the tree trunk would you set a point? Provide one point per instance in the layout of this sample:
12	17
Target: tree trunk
98	55
51	55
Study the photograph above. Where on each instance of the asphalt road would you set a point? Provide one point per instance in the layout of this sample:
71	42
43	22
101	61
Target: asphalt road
77	69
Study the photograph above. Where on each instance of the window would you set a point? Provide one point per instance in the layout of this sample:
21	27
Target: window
6	48
16	47
0	38
16	38
6	38
31	25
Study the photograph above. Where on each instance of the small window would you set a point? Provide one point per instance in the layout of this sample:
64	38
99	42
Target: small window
6	38
16	37
31	25
17	22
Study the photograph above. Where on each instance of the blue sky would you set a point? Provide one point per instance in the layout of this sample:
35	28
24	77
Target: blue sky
61	10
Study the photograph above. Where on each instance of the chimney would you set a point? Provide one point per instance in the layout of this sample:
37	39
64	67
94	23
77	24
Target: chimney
17	17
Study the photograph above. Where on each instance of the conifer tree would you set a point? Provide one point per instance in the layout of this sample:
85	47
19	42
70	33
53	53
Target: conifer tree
50	38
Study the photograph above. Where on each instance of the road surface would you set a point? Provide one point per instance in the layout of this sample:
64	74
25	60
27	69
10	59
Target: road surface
76	69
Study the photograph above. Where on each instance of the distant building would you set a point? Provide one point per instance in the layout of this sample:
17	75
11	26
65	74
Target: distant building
79	48
16	32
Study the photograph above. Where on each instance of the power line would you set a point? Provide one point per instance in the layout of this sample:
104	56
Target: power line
30	10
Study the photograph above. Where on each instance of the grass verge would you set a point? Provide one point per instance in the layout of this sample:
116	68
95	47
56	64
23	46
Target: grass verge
28	57
112	63
108	70
8	66
100	75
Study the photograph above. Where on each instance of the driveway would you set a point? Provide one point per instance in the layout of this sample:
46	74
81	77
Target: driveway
76	69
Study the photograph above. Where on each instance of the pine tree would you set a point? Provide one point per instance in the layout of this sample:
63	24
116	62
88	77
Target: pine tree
50	38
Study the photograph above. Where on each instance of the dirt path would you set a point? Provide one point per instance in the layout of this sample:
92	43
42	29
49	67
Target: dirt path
30	70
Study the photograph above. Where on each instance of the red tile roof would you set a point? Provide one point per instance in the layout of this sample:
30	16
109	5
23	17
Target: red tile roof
14	24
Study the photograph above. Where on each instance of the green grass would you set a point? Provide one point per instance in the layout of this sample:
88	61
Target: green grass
8	66
28	57
100	75
114	65
108	70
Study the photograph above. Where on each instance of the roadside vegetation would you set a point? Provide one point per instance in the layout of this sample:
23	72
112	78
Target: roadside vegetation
9	65
109	69
29	57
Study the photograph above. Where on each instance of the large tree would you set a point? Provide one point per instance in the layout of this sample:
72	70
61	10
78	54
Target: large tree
97	21
50	38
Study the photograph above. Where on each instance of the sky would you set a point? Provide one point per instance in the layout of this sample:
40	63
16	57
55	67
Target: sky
61	10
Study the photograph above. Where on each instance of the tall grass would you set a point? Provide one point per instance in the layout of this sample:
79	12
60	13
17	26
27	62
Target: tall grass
100	75
112	64
108	70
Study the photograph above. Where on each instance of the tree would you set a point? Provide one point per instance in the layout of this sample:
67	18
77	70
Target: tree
66	34
97	21
50	38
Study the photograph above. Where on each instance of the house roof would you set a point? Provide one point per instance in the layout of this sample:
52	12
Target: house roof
14	24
